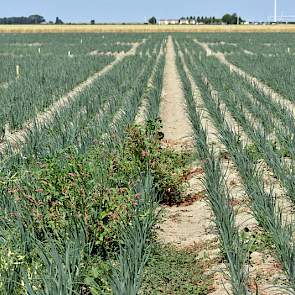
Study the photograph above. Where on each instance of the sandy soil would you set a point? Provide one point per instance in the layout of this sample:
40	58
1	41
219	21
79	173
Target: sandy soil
176	125
189	226
27	44
108	53
222	43
248	52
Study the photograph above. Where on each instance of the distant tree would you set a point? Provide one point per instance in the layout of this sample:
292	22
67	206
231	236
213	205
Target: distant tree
36	19
152	20
32	19
211	19
92	22
231	19
58	21
226	18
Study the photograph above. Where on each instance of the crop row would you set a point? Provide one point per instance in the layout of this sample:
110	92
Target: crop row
70	202
45	78
278	153
85	119
234	249
232	92
271	62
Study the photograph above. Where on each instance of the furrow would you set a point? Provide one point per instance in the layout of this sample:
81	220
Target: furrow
253	80
18	138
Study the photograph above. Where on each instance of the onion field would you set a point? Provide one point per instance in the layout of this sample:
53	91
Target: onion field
147	163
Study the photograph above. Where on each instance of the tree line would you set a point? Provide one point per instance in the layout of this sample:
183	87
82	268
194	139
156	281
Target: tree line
27	20
229	19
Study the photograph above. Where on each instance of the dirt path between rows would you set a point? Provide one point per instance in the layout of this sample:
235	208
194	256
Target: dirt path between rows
18	138
182	226
190	225
176	125
268	91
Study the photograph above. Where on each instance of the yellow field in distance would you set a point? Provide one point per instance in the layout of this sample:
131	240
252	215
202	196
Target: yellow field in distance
143	28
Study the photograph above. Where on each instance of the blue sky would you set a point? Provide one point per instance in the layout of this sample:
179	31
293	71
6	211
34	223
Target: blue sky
138	10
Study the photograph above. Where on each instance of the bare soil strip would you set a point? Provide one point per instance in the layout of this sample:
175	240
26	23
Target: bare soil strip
223	43
213	140
189	225
26	44
108	53
125	43
176	124
253	80
18	138
248	52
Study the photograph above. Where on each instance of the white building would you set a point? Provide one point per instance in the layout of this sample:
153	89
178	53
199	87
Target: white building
168	22
184	22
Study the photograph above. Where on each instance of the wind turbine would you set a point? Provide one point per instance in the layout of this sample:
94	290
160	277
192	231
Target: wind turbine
275	11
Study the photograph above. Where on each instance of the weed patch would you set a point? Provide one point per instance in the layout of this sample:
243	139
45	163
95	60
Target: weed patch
64	214
172	271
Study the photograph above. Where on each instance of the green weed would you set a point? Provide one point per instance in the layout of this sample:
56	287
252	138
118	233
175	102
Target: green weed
172	271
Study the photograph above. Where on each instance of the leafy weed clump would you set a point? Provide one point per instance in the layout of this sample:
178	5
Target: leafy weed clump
63	214
173	271
168	167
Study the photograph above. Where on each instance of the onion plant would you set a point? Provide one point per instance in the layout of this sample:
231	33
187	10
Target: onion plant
234	248
263	203
128	269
